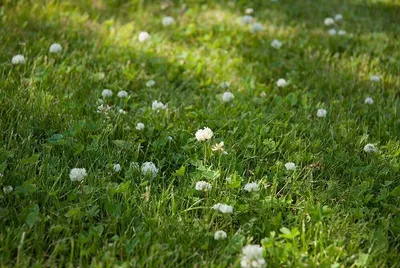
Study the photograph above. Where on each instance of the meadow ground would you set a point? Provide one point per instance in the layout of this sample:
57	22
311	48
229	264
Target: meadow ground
336	205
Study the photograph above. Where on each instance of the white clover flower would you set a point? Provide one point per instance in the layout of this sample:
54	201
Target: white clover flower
55	48
342	32
338	17
168	21
121	111
290	166
227	96
263	94
8	189
204	134
149	168
143	37
219	235
117	167
257	27
219	147
101	109
223	208
203	186
369	148
281	83
77	174
249	10
139	126
150	83
18	59
374	78
170	138
247	19
329	21
321	113
106	93
251	187
252	257
369	101
276	44
332	32
156	105
122	94
224	85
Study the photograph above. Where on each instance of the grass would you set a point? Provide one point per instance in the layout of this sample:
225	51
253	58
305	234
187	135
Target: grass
339	208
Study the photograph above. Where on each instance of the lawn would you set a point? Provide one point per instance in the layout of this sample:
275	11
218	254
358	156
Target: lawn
200	133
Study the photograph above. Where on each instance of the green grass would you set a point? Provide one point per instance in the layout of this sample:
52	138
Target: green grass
340	207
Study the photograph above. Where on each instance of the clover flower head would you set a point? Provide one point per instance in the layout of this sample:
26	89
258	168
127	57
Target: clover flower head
370	148
55	48
219	235
276	44
149	168
290	166
203	186
18	59
227	96
321	113
251	187
204	134
77	174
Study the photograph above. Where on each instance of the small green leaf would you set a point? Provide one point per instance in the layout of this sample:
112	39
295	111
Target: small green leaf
31	160
32	216
180	172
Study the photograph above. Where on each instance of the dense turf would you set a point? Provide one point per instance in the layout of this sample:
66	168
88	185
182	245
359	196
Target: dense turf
339	208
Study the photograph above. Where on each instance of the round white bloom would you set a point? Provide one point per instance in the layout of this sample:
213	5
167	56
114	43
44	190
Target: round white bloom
338	17
8	189
224	85
122	94
150	83
252	257
55	48
106	93
247	19
290	166
223	208
220	235
228	96
332	32
168	21
369	148
263	94
143	37
170	138
321	113
249	10
204	134
156	105
251	187
256	27
117	167
276	44
139	126
374	78
77	174
121	111
342	32
369	101
203	186
18	59
281	83
149	168
329	21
